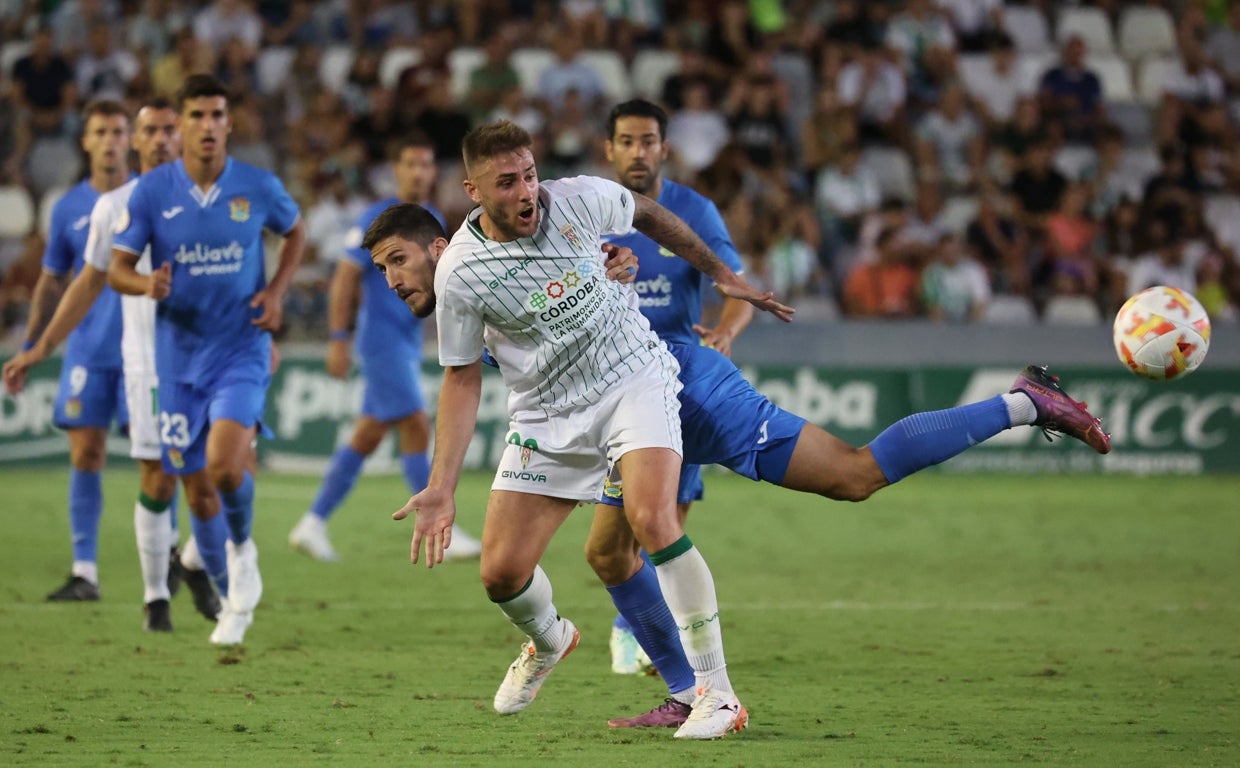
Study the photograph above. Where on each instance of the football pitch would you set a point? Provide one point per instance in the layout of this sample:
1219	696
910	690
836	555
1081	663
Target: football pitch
950	620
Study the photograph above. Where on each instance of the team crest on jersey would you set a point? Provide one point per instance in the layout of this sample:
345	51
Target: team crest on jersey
73	408
176	458
613	486
239	209
527	446
570	234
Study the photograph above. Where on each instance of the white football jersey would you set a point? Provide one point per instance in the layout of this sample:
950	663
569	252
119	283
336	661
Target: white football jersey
562	333
138	312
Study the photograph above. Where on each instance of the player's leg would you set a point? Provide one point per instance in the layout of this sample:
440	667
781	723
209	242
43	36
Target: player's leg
517	529
228	446
152	526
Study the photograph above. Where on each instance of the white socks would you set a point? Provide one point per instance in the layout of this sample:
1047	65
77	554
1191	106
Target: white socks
153	530
689	591
1020	408
533	613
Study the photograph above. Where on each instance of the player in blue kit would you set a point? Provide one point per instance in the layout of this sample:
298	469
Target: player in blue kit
670	293
388	344
203	217
92	389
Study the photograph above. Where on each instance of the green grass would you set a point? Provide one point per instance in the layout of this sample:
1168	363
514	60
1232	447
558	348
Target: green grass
947	621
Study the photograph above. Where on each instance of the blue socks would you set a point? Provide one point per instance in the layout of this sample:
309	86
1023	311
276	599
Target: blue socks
238	509
342	472
924	439
211	535
417	469
640	601
85	509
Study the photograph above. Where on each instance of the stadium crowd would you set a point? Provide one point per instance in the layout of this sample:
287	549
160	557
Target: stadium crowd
958	160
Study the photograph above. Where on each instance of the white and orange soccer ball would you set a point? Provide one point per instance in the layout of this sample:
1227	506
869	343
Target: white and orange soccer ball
1162	333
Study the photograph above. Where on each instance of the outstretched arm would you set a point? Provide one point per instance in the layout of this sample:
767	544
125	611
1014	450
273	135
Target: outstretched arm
668	230
271	298
454	428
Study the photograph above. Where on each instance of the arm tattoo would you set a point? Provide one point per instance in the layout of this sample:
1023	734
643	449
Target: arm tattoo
668	230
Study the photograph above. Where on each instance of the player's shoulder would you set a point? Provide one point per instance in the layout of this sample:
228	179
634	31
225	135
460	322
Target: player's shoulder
372	211
117	197
242	171
676	196
578	186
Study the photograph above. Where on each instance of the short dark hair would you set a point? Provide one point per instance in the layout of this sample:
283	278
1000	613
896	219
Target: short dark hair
157	102
491	139
415	139
408	221
105	108
637	108
200	86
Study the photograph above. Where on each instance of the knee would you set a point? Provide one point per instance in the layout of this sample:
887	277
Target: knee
612	566
203	502
861	478
88	457
502	583
226	475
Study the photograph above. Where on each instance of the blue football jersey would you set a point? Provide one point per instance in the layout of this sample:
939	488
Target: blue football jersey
214	242
670	288
385	325
96	342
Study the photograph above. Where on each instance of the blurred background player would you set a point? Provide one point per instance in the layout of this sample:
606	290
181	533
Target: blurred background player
388	344
156	141
670	293
203	217
91	394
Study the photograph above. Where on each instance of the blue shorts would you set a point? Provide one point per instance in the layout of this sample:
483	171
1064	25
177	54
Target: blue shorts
90	397
187	412
393	388
691	487
726	421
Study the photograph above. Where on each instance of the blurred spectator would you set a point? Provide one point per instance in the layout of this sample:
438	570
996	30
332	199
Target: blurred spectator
295	26
568	140
698	130
150	29
1212	290
247	142
363	78
1172	191
995	88
236	68
925	224
14	134
587	21
223	20
570	72
757	120
187	57
44	85
850	28
844	194
787	245
1165	265
1110	179
926	48
733	36
1223	47
442	120
103	72
954	287
830	127
875	88
17	284
887	288
1017	136
1071	95
17	18
1000	244
694	68
974	22
951	147
520	109
491	79
1038	186
72	20
377	23
1193	99
1070	267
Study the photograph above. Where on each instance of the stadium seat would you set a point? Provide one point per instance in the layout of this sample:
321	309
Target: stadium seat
1073	160
273	67
10	53
53	162
1219	209
958	213
395	61
651	68
1088	23
334	67
1134	119
1027	27
530	64
1153	74
1071	310
894	171
1146	30
18	212
46	203
612	71
1116	76
462	62
1031	67
1010	310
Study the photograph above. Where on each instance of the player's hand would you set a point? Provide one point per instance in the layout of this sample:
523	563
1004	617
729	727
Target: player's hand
714	338
160	284
337	361
16	369
273	310
434	512
737	288
621	263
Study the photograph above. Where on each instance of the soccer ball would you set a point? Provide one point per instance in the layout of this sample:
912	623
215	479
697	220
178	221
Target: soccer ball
1162	333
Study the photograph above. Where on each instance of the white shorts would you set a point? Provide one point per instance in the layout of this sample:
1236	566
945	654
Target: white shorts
567	456
141	395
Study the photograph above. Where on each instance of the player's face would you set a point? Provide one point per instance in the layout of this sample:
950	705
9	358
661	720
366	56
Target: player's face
204	124
415	174
637	150
106	142
155	136
506	186
410	270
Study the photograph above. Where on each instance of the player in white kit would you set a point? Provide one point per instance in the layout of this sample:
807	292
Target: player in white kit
156	141
590	385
